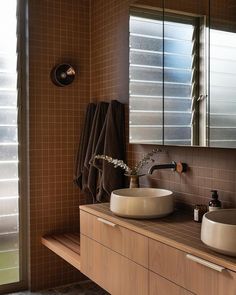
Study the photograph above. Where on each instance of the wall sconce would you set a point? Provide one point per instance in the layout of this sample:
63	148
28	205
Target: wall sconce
63	75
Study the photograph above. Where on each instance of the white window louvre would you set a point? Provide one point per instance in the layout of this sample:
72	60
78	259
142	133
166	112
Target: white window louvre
9	219
222	89
163	64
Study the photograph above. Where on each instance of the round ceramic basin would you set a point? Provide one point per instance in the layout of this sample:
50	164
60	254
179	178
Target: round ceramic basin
142	203
219	231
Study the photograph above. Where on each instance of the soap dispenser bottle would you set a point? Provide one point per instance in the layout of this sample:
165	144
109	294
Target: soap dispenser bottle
214	203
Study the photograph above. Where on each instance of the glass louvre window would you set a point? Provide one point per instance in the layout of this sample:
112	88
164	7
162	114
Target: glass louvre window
222	89
180	80
9	217
163	80
146	79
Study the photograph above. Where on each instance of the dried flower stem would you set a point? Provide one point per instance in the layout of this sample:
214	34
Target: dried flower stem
115	162
119	163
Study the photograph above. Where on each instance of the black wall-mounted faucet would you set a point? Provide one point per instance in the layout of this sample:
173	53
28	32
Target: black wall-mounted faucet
179	167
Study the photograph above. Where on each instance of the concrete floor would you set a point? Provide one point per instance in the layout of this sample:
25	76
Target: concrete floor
84	288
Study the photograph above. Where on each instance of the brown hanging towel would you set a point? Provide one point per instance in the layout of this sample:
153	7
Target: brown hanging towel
84	139
90	173
111	143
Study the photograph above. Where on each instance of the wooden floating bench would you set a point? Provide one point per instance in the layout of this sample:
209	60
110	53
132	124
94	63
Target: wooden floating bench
67	246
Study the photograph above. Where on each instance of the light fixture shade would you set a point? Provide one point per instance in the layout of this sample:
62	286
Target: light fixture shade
63	74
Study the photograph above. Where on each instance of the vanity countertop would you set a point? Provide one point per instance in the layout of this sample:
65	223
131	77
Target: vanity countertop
177	230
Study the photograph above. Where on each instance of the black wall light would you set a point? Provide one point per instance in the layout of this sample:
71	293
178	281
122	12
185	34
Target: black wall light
63	74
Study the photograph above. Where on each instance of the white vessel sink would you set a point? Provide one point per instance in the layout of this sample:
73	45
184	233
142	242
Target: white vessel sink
219	231
142	203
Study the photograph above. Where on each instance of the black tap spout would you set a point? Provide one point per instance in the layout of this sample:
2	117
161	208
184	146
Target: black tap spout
179	167
171	165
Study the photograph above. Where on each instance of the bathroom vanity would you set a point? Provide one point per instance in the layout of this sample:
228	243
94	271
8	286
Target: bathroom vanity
156	257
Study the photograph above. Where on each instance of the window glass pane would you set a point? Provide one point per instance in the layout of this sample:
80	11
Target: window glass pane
146	134
8	170
8	27
142	26
178	61
222	89
180	133
9	242
7	81
219	105
152	74
178	104
178	47
178	73
9	259
145	73
145	103
223	133
8	206
9	275
8	134
8	188
142	88
146	43
175	118
8	223
8	116
219	93
146	118
178	31
146	58
183	90
151	48
8	152
8	98
9	214
7	63
178	76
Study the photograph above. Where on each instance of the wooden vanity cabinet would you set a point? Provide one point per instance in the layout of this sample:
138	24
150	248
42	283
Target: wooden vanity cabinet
179	267
112	271
114	257
161	286
115	237
125	262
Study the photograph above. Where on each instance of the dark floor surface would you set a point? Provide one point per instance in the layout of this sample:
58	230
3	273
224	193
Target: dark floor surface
83	288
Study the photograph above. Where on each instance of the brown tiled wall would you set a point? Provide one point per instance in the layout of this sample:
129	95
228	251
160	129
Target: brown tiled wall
58	32
208	168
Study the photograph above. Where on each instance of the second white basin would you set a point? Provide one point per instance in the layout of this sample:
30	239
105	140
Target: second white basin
219	231
142	203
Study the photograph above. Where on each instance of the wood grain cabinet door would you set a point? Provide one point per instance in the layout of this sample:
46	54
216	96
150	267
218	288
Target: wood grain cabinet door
199	276
122	240
161	286
112	271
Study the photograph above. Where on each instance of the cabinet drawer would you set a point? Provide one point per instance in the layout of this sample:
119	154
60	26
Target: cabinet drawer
180	268
161	286
126	242
112	271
